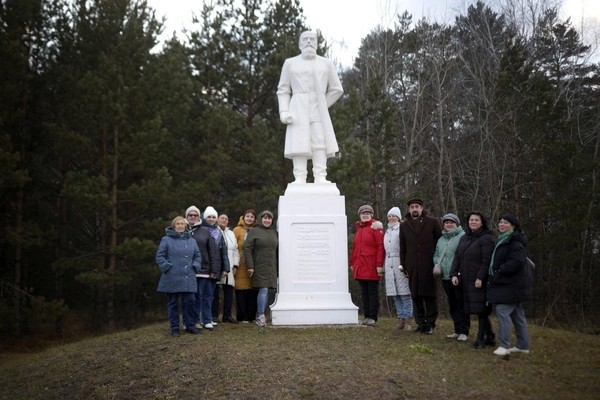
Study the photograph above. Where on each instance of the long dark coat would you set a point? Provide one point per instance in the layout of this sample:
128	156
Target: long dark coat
471	262
211	255
260	252
512	279
418	238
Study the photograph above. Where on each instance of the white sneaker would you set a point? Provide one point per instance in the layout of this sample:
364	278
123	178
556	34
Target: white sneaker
513	350
462	337
208	326
261	321
370	322
214	323
501	351
364	321
453	336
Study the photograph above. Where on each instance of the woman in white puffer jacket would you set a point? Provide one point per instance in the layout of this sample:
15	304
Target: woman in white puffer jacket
228	281
396	282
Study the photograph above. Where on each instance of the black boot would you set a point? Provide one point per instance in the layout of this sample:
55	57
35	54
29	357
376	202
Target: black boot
490	339
479	343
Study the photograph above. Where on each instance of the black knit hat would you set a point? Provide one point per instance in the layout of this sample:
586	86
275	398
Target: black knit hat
512	219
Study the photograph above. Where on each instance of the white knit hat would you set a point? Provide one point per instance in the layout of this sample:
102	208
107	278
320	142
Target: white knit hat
210	211
190	209
395	211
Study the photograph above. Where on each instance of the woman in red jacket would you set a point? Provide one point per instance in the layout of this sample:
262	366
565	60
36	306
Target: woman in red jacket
366	261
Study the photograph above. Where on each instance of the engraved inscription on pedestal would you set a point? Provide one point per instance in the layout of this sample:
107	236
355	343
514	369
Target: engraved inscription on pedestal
313	259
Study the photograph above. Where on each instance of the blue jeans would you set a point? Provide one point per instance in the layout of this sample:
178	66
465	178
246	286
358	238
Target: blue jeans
403	306
204	299
515	313
261	301
187	306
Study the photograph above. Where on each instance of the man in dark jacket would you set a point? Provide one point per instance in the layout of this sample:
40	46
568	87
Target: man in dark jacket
418	236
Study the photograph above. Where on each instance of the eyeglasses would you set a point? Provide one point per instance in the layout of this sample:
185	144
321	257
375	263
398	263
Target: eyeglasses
193	215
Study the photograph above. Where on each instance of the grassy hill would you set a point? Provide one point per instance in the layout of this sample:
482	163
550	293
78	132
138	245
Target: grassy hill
246	362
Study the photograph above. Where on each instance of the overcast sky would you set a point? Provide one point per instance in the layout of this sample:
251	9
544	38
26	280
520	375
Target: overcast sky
344	23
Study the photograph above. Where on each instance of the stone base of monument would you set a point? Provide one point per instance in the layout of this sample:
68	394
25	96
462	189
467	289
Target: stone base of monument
313	258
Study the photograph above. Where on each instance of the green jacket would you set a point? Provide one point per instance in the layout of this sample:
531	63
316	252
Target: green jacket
260	252
451	238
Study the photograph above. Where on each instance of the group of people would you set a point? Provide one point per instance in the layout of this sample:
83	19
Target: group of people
200	254
478	273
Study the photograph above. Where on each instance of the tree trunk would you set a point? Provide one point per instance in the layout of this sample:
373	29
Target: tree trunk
18	257
112	250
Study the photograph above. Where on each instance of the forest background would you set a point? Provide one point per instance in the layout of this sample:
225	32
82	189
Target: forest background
105	137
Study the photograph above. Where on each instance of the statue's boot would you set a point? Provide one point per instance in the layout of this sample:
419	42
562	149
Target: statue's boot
319	161
300	170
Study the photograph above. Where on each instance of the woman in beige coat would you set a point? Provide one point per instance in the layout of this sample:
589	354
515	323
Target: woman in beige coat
245	295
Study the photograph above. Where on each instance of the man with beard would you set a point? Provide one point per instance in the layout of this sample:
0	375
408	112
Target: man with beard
308	86
418	237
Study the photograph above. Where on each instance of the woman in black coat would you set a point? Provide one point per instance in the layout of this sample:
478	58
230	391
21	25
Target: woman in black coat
509	285
470	270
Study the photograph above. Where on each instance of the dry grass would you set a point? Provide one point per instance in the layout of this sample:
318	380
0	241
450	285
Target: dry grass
246	362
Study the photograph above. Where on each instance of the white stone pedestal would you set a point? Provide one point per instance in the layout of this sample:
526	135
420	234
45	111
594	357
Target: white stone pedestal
313	258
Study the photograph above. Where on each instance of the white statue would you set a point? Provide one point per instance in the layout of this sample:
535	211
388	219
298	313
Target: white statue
308	86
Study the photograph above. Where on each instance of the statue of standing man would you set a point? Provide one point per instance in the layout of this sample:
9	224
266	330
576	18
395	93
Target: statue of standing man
308	86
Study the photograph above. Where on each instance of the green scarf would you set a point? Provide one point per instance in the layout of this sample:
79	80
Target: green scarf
501	239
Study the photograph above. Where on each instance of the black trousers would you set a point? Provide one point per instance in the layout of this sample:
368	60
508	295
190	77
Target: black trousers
245	304
456	302
485	325
227	302
425	310
370	298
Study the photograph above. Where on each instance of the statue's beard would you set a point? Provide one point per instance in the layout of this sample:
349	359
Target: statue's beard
309	51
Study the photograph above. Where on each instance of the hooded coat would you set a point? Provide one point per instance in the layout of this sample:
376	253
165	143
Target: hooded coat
179	260
511	280
260	253
242	280
471	262
396	283
418	238
367	251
